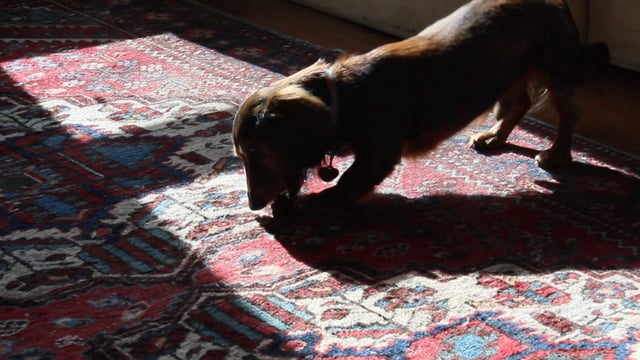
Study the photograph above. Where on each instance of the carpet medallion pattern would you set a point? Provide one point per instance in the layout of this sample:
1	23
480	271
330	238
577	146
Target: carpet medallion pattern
125	231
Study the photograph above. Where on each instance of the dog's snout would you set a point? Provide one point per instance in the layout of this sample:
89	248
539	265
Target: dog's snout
264	182
257	200
256	203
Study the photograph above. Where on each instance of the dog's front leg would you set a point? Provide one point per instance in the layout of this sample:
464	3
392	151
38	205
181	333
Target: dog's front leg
369	168
283	205
509	109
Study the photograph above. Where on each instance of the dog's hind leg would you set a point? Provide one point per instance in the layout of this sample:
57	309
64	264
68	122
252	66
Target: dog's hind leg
509	109
559	154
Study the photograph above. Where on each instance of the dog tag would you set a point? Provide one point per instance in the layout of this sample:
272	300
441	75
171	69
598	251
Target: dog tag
328	173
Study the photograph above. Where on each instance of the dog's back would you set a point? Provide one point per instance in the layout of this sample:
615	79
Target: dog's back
455	69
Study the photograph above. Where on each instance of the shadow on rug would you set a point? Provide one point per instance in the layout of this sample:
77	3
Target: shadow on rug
458	233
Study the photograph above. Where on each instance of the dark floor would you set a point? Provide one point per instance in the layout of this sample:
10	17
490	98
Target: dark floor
610	105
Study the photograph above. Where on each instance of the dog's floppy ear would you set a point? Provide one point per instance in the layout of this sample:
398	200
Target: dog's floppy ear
299	123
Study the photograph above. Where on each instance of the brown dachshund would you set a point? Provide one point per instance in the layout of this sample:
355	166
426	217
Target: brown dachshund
403	98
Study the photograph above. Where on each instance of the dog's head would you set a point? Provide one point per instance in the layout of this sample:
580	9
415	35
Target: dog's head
278	133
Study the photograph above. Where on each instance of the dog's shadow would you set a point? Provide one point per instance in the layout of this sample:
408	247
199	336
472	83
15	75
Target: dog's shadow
589	219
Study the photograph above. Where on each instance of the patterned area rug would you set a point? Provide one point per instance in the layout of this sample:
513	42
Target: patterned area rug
125	231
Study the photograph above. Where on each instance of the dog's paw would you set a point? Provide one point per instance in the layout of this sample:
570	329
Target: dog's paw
553	159
282	210
282	207
486	141
327	201
313	203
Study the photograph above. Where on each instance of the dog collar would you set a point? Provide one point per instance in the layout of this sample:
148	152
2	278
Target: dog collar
326	171
333	93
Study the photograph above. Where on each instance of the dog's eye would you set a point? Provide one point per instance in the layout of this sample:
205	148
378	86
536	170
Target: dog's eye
252	149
